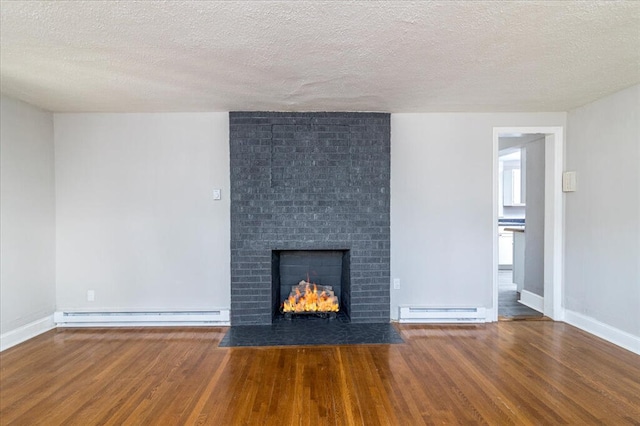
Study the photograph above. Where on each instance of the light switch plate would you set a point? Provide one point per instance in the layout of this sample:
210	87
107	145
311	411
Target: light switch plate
217	194
568	181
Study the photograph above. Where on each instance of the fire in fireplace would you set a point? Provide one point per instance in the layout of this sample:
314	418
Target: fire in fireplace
307	297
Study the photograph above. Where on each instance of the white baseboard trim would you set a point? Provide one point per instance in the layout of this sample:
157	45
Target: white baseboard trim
26	332
532	300
220	317
492	315
611	334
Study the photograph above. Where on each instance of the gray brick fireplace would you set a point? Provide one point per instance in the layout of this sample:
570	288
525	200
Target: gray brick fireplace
309	182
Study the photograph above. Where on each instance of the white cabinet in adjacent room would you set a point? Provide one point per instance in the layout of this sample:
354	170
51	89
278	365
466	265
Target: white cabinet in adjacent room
505	248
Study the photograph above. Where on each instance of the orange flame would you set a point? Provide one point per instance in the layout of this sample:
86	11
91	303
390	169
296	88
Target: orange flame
305	298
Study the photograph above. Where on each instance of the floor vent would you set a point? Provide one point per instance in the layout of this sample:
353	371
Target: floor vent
155	318
442	315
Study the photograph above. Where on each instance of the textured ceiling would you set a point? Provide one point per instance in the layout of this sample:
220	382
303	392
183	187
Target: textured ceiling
400	56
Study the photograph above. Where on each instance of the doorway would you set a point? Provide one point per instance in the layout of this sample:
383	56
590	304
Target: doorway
520	197
547	224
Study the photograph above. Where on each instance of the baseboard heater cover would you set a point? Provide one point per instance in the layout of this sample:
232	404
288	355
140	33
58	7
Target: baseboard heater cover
409	314
147	318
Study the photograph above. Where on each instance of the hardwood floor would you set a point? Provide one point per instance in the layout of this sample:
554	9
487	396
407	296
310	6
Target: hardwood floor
502	373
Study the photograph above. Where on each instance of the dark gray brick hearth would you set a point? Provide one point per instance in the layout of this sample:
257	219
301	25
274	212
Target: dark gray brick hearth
309	181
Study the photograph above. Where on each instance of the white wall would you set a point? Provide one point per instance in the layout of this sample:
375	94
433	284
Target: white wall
602	223
534	213
442	205
135	217
27	215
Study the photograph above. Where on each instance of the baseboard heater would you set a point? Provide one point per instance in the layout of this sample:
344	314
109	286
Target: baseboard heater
410	314
155	318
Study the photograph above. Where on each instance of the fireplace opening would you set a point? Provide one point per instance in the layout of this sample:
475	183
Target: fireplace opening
310	282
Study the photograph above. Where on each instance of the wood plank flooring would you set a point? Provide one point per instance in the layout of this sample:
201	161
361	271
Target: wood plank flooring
506	373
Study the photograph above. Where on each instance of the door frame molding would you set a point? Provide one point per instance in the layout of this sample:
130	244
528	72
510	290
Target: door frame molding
553	217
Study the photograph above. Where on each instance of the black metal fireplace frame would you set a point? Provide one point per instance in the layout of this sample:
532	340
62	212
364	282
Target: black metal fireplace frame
279	290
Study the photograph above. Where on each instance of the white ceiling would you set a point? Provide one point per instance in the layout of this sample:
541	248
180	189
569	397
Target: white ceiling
395	56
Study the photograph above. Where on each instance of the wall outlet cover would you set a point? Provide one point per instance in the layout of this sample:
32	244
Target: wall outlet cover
568	181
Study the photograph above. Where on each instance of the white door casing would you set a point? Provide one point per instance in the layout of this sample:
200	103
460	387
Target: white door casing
553	217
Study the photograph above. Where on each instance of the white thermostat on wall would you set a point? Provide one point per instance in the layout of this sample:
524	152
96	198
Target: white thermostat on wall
568	181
